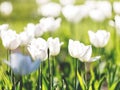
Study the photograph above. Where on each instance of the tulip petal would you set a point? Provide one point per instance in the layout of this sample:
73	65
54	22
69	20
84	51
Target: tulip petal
94	58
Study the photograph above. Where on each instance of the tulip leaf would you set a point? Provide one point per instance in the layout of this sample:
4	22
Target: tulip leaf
5	79
82	83
92	76
97	84
113	86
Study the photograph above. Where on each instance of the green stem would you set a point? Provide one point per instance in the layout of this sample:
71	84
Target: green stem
21	83
53	70
76	69
38	84
49	67
41	75
85	64
11	73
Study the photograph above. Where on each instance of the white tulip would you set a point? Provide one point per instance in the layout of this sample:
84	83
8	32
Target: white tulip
24	38
22	65
10	39
38	49
50	24
6	8
80	51
75	16
117	24
116	7
30	28
67	2
3	27
97	15
38	30
54	46
73	48
100	38
105	7
50	9
27	35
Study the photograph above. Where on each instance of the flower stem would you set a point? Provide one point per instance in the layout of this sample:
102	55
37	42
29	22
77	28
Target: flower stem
21	83
41	75
76	69
49	67
85	64
38	84
53	70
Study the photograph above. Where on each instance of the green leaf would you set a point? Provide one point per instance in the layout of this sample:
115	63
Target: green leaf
5	79
97	84
82	83
113	86
92	76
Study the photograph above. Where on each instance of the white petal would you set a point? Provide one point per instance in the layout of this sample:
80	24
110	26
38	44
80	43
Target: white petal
94	59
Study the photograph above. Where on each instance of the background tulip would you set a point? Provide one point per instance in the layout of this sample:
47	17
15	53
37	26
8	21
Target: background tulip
50	24
50	10
6	8
100	38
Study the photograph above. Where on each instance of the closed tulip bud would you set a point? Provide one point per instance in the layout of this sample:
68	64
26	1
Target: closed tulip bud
100	38
50	24
75	16
50	10
38	49
3	27
10	39
80	51
54	46
116	7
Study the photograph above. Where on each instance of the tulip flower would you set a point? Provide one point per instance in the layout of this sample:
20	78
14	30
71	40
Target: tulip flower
116	7
50	10
38	30
54	46
117	24
38	49
21	64
6	8
80	51
30	28
100	38
10	39
75	16
83	53
97	15
50	24
24	38
3	27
